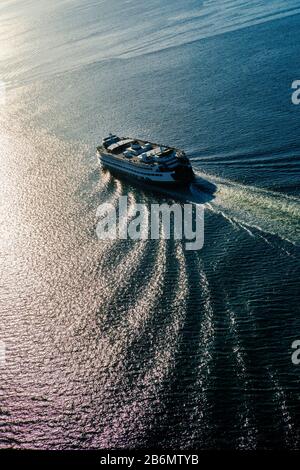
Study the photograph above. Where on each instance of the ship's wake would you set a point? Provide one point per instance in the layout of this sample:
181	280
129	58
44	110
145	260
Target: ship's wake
252	208
257	211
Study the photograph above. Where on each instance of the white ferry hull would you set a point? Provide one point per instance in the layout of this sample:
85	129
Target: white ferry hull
141	175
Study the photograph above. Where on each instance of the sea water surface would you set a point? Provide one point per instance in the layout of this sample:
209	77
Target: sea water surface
126	344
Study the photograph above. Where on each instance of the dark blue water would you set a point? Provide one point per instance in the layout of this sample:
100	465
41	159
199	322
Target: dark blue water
131	344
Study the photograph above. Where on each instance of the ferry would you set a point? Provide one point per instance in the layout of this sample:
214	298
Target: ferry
145	161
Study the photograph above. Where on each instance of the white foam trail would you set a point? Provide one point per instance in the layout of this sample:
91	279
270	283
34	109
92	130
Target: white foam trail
266	211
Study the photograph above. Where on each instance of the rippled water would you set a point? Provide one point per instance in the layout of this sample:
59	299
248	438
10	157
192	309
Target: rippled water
129	344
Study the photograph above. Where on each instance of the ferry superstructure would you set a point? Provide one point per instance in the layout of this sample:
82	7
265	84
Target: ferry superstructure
145	161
